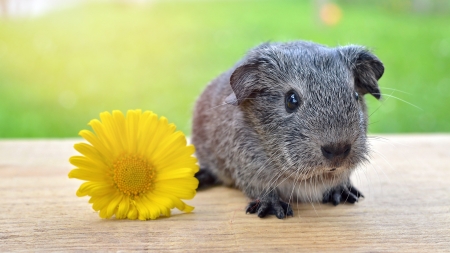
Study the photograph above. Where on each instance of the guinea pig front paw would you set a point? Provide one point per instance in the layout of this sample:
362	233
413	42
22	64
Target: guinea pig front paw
270	204
342	193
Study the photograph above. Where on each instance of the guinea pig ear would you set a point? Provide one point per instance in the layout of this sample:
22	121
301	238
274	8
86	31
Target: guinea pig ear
242	83
367	69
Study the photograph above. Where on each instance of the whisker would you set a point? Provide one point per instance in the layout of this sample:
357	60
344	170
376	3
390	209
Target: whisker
293	188
310	197
385	160
215	107
316	191
384	88
261	169
404	101
380	103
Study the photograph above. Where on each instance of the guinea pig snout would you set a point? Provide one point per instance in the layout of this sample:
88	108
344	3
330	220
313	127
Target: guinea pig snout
336	151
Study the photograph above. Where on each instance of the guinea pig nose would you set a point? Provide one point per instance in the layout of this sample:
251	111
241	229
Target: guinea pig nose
336	150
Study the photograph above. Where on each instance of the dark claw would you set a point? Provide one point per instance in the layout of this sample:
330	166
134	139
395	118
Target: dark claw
252	207
342	193
264	209
270	204
280	210
287	208
349	197
355	192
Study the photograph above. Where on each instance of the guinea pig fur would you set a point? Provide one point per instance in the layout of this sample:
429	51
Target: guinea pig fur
287	123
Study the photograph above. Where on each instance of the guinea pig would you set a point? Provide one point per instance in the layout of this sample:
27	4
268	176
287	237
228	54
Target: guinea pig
287	123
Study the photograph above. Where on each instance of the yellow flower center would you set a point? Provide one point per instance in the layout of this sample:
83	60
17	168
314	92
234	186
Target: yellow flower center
133	175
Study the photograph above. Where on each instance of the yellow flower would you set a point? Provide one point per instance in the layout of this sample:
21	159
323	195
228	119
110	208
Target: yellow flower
136	167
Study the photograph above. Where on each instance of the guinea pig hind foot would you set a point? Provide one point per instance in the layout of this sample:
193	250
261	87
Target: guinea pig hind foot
270	204
205	179
342	193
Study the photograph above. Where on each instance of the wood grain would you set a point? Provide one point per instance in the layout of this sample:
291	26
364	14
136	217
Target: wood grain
407	208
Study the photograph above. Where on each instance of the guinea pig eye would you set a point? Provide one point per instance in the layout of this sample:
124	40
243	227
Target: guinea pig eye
292	101
356	96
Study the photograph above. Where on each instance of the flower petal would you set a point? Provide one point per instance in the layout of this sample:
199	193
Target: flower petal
94	189
90	152
100	202
91	138
171	143
147	133
88	175
143	211
180	205
113	131
132	212
101	133
184	162
119	124
148	209
151	198
102	213
174	174
181	155
182	190
124	205
113	205
89	164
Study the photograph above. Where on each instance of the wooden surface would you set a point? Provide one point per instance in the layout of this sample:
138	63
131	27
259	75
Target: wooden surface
407	208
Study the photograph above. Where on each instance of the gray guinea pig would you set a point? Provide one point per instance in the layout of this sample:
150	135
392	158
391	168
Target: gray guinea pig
287	123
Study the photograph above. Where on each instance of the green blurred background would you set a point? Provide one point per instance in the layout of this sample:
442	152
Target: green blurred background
62	68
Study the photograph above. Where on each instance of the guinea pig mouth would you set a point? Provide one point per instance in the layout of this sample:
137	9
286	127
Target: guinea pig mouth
333	169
